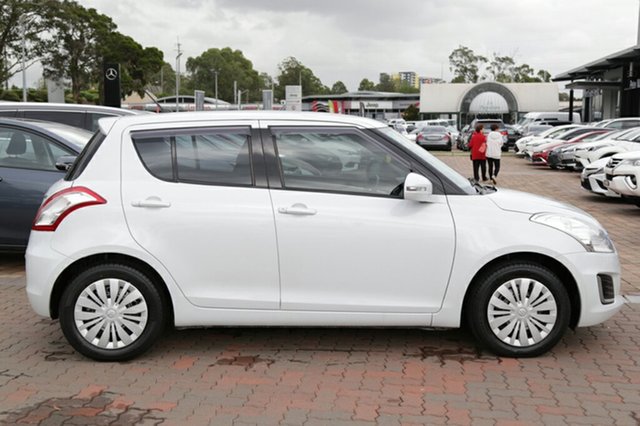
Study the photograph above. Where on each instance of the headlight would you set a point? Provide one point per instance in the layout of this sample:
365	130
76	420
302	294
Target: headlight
593	238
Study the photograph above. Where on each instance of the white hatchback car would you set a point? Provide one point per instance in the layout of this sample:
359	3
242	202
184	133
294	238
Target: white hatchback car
302	219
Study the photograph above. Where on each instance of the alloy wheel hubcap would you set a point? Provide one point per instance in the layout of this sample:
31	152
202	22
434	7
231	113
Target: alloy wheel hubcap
522	312
111	313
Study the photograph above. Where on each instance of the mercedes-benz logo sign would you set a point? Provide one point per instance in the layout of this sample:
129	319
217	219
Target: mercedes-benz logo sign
111	74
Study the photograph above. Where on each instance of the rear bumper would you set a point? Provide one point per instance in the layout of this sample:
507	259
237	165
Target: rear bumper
43	265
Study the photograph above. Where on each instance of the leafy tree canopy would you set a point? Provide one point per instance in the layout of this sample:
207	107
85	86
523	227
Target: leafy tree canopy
231	65
20	19
338	88
468	67
366	85
292	72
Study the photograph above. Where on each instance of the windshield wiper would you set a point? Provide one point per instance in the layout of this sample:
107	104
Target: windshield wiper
482	189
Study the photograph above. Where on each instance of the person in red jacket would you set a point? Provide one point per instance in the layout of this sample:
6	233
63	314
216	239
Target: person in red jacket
478	147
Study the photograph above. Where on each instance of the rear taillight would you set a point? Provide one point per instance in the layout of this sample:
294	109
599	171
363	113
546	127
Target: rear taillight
61	204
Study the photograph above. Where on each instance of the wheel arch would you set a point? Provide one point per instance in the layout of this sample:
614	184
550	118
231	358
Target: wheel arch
550	263
76	267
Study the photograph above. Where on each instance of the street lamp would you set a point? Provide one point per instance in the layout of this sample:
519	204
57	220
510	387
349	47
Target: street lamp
178	78
23	24
215	72
240	92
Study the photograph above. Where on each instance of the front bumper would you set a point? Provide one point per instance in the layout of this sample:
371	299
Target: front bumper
595	182
586	267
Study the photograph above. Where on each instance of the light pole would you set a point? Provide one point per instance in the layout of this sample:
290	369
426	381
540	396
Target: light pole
24	53
178	78
216	87
240	92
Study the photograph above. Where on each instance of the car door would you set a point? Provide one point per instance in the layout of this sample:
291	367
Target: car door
347	240
196	199
27	170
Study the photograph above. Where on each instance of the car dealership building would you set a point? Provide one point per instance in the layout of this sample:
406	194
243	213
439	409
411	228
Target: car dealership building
508	101
611	85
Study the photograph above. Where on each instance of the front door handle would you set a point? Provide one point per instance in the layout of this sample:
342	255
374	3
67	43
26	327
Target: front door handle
153	202
297	209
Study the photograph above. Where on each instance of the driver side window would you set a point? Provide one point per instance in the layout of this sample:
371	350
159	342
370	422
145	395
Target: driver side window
338	160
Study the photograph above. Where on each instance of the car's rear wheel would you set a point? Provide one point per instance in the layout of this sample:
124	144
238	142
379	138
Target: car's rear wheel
519	310
111	312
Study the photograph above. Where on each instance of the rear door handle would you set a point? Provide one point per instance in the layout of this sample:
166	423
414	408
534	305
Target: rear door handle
297	209
152	202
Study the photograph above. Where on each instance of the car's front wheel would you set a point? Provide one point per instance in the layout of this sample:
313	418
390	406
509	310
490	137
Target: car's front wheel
111	312
519	310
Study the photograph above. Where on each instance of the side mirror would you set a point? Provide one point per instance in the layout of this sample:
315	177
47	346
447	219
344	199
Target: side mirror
65	162
417	188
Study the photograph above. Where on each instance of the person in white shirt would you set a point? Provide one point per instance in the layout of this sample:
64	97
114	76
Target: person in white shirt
495	140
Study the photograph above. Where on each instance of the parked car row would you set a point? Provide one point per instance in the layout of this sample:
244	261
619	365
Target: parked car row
607	154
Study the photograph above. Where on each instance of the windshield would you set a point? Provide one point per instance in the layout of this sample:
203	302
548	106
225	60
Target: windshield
627	135
74	135
433	129
430	159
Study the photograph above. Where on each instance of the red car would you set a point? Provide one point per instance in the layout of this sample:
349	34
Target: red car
543	155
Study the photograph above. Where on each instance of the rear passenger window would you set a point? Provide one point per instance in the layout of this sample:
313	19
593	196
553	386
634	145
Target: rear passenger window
209	156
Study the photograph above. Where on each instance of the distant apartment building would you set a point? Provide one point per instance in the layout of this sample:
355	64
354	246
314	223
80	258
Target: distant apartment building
409	77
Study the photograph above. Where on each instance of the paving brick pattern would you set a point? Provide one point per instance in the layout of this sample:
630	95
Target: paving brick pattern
334	376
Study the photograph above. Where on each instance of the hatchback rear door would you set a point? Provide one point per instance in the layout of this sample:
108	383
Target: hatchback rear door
196	199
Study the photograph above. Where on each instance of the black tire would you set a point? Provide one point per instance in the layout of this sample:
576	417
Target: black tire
478	310
553	167
141	295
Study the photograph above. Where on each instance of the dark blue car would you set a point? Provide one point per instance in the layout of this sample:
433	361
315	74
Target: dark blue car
29	150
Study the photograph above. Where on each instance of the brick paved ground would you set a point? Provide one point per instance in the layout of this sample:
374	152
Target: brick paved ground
334	376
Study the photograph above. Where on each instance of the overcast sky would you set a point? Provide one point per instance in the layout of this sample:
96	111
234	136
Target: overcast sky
349	40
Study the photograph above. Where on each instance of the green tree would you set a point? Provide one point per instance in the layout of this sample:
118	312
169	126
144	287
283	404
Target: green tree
502	68
20	19
524	74
465	65
386	83
338	88
74	46
138	65
292	72
366	85
405	87
544	75
231	65
412	113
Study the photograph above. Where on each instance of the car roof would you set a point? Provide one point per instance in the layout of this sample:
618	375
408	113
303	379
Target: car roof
51	106
203	116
